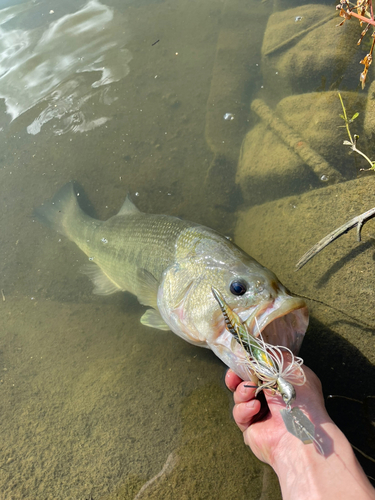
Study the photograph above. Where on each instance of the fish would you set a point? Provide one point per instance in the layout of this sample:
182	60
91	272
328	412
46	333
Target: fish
171	265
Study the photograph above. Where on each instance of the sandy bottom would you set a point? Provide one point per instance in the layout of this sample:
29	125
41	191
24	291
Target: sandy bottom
93	403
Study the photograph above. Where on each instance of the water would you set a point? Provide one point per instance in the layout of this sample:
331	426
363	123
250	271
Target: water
130	97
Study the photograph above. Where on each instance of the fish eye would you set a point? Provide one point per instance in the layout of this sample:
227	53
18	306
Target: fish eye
238	287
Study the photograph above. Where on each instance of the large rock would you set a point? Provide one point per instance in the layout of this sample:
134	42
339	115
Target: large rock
342	276
273	161
298	140
309	51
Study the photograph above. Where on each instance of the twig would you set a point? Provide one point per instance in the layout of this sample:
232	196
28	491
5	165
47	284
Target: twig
358	221
3	295
359	17
310	157
167	469
364	8
348	13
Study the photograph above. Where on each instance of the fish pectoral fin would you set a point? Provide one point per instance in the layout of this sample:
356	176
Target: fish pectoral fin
103	285
153	319
147	288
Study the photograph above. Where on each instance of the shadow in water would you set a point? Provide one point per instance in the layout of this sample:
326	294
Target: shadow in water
345	259
352	324
345	372
84	200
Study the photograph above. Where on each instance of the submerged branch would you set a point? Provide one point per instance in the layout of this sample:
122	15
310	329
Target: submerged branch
295	142
358	221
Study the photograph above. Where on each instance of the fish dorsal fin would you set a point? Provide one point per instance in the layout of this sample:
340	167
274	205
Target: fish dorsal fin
147	288
153	319
128	208
103	285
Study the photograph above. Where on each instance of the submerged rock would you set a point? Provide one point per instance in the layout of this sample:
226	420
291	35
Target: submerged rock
313	53
342	276
273	163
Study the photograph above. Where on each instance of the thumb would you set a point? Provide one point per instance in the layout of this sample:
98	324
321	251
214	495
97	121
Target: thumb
274	401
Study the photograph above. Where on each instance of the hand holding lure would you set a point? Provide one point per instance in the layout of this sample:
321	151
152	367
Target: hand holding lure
267	362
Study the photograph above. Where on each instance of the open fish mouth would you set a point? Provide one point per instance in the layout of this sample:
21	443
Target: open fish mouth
282	321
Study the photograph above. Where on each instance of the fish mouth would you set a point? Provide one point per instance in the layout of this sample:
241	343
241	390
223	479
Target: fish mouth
282	321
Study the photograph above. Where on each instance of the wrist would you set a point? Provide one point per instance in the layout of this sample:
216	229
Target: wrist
297	468
304	473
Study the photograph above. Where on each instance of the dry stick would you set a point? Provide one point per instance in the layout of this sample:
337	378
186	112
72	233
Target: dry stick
367	20
167	469
358	221
313	159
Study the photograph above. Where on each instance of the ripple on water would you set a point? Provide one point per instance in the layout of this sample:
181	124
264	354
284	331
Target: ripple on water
48	65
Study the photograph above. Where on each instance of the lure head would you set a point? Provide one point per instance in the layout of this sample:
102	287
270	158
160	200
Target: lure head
287	391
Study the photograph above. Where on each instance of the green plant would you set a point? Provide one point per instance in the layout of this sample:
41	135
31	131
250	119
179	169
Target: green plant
352	142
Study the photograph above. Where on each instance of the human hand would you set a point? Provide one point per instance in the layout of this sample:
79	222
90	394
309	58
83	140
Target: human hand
302	471
268	437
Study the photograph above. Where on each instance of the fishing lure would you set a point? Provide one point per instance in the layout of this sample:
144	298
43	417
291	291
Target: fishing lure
268	363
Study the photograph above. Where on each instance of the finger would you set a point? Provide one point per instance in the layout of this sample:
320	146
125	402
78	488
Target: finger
244	392
232	380
243	413
274	400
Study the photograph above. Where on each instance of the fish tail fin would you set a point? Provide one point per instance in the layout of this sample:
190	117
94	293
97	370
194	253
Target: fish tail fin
58	212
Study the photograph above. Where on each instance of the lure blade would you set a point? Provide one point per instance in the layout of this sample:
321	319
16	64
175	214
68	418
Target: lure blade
298	424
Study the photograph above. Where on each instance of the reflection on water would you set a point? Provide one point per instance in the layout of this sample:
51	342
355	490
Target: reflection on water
45	64
94	404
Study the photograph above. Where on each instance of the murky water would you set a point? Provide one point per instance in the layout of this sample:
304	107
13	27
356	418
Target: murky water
131	97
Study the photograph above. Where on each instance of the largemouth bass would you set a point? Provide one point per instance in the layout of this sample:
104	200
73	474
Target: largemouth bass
171	266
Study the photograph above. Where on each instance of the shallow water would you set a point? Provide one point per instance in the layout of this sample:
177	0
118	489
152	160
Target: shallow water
131	97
